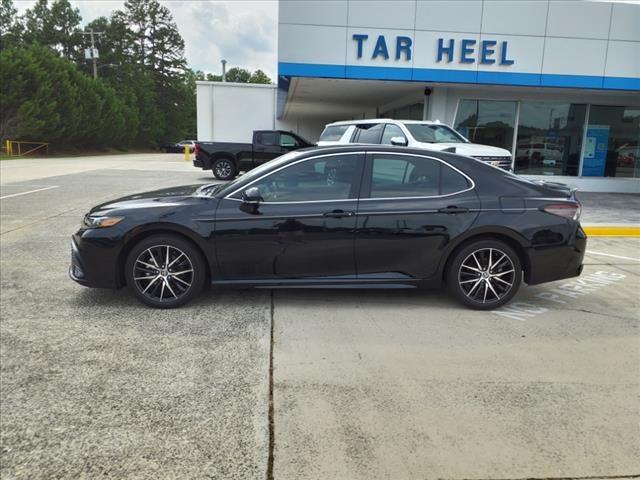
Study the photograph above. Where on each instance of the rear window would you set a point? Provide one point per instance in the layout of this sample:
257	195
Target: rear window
266	138
333	133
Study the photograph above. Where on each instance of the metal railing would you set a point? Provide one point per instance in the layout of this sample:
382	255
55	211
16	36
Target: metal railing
16	148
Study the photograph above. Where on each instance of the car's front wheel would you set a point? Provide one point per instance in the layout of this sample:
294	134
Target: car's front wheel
165	271
484	274
224	169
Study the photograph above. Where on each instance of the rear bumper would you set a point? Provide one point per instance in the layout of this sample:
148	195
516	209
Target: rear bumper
200	161
547	264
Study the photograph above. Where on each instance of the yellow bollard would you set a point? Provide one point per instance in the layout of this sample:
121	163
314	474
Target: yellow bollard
187	154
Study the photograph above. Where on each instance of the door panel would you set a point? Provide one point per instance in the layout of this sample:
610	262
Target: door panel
273	241
303	228
405	236
265	147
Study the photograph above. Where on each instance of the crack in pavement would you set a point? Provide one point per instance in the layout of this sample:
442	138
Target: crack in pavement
271	409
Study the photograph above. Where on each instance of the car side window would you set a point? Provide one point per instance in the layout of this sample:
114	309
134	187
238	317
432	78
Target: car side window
391	131
325	178
395	176
333	133
287	140
451	181
368	133
266	138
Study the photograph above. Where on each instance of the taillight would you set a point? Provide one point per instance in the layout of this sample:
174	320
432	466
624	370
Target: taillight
570	211
196	149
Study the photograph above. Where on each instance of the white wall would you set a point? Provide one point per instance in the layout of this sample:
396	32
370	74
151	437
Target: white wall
230	112
308	128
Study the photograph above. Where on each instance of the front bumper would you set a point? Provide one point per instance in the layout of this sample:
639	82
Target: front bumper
94	260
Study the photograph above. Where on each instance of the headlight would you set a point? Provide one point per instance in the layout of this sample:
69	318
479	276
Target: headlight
100	222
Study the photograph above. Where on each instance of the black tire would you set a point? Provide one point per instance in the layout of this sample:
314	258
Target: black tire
224	169
183	285
475	284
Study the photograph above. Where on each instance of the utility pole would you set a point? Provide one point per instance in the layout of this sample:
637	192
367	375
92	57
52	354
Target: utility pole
94	56
224	70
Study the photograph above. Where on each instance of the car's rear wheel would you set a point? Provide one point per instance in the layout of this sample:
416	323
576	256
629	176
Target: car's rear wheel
165	271
224	169
484	274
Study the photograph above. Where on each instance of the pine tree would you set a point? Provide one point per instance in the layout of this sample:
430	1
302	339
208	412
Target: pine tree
65	25
56	26
10	26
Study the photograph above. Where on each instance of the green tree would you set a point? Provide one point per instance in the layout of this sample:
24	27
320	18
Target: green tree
56	26
65	25
259	77
238	75
10	26
37	24
155	43
51	100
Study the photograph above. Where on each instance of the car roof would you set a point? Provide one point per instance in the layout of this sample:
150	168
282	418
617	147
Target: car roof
360	147
382	120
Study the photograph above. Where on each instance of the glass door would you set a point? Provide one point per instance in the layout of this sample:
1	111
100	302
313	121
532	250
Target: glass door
488	122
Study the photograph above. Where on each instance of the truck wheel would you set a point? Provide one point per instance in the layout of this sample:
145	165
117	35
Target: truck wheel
224	169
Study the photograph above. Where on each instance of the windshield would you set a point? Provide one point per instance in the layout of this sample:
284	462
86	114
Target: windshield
429	133
255	173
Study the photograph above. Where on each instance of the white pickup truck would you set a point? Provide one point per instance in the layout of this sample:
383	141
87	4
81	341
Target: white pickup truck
412	133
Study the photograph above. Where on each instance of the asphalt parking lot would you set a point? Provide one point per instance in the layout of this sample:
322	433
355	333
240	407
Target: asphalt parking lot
366	384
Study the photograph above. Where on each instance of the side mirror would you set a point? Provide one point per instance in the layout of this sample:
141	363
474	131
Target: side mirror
399	141
252	195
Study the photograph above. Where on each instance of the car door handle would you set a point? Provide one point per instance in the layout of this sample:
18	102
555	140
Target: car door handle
338	214
453	209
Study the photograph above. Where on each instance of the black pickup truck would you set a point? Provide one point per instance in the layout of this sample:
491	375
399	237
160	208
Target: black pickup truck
226	159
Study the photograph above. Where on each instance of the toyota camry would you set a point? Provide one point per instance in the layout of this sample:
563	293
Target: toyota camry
338	217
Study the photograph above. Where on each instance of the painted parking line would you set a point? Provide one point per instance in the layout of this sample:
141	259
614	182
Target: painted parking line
558	294
591	252
29	191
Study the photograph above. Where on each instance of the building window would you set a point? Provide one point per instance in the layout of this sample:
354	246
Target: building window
487	122
612	146
549	138
409	112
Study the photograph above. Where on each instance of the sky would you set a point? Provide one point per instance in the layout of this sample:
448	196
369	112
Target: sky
245	33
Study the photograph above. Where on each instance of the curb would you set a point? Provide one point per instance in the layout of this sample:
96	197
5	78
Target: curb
612	230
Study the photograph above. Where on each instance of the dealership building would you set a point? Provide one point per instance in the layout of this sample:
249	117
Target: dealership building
557	83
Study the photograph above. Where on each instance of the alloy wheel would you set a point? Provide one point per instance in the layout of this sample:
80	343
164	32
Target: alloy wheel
486	275
163	273
223	169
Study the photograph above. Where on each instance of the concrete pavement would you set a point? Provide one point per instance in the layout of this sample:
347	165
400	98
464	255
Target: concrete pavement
407	385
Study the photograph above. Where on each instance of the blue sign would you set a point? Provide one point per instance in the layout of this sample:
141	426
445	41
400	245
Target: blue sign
488	52
595	151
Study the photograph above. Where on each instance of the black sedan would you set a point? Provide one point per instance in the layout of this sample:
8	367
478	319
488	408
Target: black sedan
338	217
